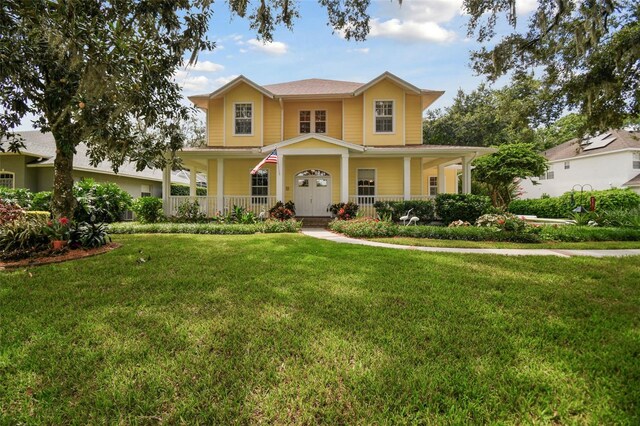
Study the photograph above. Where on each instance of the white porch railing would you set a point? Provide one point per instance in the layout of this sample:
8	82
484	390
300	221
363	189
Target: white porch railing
208	205
366	202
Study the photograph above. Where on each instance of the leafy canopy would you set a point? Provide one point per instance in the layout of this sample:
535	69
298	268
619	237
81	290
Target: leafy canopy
587	53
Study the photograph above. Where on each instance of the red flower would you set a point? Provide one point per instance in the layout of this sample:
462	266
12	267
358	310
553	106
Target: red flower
49	223
500	222
64	221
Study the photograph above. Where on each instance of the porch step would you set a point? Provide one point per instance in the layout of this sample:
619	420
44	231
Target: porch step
314	221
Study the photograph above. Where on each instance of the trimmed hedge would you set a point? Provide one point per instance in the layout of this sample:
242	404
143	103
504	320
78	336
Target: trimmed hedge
267	227
560	207
465	207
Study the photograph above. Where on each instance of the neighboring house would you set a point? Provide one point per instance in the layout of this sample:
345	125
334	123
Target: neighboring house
610	160
336	141
32	168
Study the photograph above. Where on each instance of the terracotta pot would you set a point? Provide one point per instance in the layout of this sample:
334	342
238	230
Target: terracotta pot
58	244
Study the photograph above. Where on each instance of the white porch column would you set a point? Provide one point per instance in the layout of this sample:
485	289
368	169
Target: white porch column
280	178
466	175
344	178
407	178
220	186
166	189
192	182
442	180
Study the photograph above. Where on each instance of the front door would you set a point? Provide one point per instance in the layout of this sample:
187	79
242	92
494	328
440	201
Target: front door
312	193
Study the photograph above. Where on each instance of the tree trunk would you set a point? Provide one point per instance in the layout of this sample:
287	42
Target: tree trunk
63	202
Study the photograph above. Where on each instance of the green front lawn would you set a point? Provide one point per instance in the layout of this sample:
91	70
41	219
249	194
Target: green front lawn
585	245
286	329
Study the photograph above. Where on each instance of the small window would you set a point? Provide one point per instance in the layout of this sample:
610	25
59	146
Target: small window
384	116
145	190
313	121
260	187
366	186
305	122
321	122
636	160
550	174
7	179
567	165
433	186
243	119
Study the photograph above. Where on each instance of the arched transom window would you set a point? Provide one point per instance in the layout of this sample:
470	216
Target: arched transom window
313	172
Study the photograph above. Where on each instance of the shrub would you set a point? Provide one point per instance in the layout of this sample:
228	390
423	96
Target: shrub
622	218
268	226
148	209
468	233
89	235
280	226
344	211
283	211
465	207
365	227
58	230
543	207
19	196
588	233
505	222
41	201
100	202
423	209
20	237
41	217
10	211
184	190
189	211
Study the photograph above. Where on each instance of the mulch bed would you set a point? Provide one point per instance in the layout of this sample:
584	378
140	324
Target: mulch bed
57	257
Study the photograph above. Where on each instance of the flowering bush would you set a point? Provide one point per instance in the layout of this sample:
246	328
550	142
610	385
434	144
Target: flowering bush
458	223
283	211
344	211
58	230
504	222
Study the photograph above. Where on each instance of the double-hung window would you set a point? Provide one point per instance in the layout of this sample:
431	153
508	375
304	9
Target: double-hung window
145	190
636	160
260	187
243	115
7	179
433	186
383	116
567	165
313	121
366	186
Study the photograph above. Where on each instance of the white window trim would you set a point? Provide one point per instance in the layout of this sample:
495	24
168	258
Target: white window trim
313	121
150	192
375	183
253	114
13	179
268	184
429	186
393	116
635	158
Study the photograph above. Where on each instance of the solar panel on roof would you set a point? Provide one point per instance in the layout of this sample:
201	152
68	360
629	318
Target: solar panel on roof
598	141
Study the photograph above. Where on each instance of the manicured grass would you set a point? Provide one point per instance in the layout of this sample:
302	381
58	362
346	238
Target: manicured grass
286	329
586	245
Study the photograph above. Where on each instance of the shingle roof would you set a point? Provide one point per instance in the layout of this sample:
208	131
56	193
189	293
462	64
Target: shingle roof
633	182
42	145
313	86
572	149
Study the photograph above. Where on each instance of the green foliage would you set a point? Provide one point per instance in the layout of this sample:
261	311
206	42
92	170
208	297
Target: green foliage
100	202
344	211
58	229
41	201
283	211
189	211
364	227
38	216
465	207
20	196
622	218
268	226
500	169
564	129
148	209
551	207
568	233
585	53
178	190
505	222
21	237
89	235
10	211
423	209
239	214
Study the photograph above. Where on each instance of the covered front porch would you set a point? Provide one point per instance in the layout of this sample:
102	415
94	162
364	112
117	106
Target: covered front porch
316	171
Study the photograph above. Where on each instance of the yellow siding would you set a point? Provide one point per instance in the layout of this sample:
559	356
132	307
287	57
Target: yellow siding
389	174
416	176
272	121
212	178
353	120
311	143
413	119
295	164
292	117
450	174
384	90
241	94
215	125
237	177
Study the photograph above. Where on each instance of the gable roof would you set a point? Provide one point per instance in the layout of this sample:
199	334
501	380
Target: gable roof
319	137
313	86
633	181
573	149
42	147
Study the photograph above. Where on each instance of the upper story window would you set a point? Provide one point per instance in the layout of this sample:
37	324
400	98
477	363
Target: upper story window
145	190
313	121
383	112
243	116
567	165
636	160
6	179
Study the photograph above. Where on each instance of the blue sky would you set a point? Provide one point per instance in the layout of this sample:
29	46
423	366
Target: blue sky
422	41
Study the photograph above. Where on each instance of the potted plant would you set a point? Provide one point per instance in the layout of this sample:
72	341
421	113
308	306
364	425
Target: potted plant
58	232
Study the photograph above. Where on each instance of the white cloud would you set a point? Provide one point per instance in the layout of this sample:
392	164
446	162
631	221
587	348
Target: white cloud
221	81
363	50
191	83
526	6
410	30
205	66
271	48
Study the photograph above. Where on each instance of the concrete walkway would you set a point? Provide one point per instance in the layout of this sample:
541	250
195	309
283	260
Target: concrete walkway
330	236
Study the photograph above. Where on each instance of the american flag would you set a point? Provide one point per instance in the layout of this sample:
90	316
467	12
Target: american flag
271	158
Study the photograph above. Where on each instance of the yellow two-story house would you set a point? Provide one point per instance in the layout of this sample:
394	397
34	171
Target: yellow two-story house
336	141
